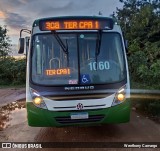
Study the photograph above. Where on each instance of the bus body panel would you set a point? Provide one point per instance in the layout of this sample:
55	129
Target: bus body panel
72	104
43	118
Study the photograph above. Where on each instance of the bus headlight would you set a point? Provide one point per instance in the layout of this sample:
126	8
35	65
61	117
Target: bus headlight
120	96
37	99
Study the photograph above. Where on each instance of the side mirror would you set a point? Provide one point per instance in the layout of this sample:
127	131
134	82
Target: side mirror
21	46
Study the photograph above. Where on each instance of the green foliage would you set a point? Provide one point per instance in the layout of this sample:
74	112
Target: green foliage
140	22
4	43
12	71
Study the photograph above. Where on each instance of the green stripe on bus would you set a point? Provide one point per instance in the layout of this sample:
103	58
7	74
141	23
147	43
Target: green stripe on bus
45	118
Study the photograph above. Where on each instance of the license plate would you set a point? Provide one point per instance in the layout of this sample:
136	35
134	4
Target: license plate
83	115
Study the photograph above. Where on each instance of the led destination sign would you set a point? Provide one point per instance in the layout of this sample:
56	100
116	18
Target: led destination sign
53	72
68	24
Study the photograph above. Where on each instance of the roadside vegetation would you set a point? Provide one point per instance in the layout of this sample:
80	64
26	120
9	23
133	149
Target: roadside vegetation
140	22
12	71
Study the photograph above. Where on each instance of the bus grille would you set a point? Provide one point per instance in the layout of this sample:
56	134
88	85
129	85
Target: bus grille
68	120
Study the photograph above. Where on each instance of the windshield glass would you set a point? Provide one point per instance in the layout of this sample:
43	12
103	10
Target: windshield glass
51	65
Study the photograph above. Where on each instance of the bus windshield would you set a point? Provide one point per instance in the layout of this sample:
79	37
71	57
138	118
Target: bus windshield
81	65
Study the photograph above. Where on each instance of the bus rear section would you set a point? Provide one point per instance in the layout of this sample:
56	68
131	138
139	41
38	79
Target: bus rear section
77	72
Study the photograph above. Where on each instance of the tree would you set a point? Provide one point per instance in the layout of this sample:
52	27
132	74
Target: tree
140	22
4	43
12	71
137	15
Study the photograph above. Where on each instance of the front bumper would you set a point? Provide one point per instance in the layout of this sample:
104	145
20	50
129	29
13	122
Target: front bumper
44	118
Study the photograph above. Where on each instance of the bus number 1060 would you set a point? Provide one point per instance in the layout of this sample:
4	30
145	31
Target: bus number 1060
99	65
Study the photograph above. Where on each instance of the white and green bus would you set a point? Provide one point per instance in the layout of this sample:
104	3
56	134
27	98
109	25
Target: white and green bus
77	72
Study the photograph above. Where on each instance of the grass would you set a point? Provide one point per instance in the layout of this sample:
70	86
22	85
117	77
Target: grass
138	85
144	106
12	86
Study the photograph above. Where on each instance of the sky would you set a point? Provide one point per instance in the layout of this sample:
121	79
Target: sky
18	14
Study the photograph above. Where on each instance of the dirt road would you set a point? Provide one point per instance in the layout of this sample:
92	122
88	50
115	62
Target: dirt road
8	95
139	129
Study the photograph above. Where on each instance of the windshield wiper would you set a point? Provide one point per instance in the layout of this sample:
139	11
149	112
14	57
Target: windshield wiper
65	48
98	44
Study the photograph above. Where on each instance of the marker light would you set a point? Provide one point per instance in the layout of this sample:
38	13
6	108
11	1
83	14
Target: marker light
38	100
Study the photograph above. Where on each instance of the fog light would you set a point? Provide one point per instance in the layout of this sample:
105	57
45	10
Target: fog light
38	100
120	97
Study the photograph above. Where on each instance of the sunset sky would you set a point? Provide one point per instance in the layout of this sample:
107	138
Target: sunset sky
18	14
